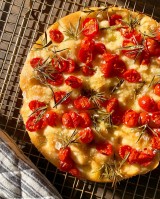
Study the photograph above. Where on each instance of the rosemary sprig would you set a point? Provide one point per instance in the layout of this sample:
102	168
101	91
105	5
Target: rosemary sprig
124	160
40	111
99	116
143	130
96	97
117	86
45	43
153	80
99	10
67	140
132	21
63	99
72	32
138	90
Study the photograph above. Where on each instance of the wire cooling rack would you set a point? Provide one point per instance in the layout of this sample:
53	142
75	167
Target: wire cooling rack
21	23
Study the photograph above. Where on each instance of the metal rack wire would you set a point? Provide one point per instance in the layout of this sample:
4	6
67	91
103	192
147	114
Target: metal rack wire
21	23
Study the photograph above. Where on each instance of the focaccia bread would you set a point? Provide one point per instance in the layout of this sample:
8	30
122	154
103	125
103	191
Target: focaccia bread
91	94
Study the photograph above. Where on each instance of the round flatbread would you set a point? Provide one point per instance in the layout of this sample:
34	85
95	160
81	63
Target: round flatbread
91	94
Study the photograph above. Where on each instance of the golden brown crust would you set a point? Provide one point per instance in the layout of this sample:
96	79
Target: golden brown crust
88	160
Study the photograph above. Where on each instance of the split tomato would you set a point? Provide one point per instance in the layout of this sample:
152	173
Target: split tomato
56	79
36	62
56	35
104	148
133	76
112	105
73	82
90	27
35	104
86	135
131	118
82	103
59	95
147	103
115	19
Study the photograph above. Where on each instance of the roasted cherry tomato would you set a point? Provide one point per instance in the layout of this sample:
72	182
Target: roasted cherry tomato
86	120
99	48
86	135
82	103
88	70
76	118
115	19
117	117
145	58
152	46
35	104
144	118
59	95
36	62
155	120
64	153
32	124
131	35
157	33
112	105
75	172
90	27
67	120
129	52
85	55
73	82
155	141
147	103
157	89
60	65
71	66
133	157
56	79
113	66
158	105
66	165
56	35
131	118
131	75
50	118
105	148
145	157
124	150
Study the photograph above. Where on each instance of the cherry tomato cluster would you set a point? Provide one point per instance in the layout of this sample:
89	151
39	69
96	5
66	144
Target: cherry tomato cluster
143	158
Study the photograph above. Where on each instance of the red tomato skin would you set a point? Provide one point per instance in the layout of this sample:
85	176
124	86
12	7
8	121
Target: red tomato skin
59	95
86	120
85	55
56	35
36	61
144	118
147	103
88	43
90	27
82	103
64	153
105	148
133	157
73	82
155	142
113	66
129	53
76	119
32	125
152	46
67	120
157	37
155	120
75	172
145	157
117	117
157	89
145	58
132	76
71	66
86	135
57	79
112	105
66	165
99	48
88	70
158	105
35	104
115	19
131	118
124	150
60	65
51	118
